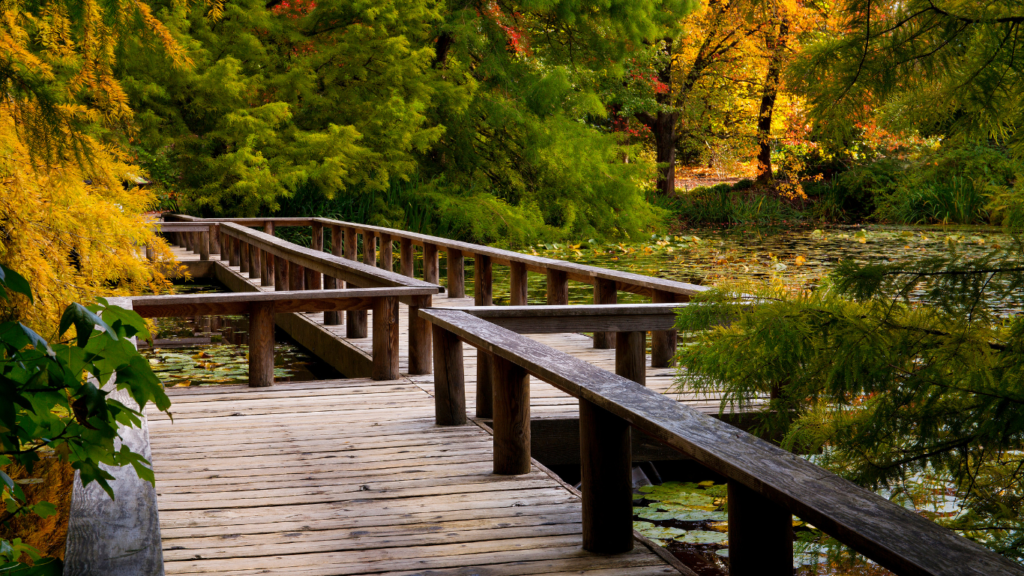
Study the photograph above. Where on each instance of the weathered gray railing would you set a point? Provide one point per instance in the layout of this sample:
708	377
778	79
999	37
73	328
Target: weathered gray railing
766	484
261	307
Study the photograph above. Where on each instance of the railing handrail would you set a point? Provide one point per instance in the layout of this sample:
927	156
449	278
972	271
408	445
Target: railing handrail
889	534
282	302
567	319
322	262
576	272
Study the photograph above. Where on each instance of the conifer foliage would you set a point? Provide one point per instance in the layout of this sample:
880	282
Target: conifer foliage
893	369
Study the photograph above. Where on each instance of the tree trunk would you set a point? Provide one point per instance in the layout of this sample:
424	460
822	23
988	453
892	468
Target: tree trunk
663	126
776	47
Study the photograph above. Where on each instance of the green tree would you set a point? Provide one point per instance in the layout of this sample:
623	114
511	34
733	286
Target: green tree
893	369
949	67
53	400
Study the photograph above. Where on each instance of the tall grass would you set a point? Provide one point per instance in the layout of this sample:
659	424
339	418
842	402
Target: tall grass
723	204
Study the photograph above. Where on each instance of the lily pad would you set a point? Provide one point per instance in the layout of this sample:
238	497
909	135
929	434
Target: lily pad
700	516
654	514
661	532
702	537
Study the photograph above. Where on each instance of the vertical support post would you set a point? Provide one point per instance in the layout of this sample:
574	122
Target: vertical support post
313	278
243	257
204	245
236	252
558	288
663	342
604	293
630	359
261	344
267	275
760	534
449	378
482	276
519	284
511	418
430	264
296	277
419	337
282	276
607	481
408	260
193	242
333	317
225	246
369	248
355	319
214	239
385	338
254	262
150	253
456	274
387	258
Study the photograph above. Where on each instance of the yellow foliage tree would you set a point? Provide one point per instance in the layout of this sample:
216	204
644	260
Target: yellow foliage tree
72	220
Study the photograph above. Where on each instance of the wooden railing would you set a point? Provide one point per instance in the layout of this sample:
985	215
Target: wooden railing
378	246
261	307
766	484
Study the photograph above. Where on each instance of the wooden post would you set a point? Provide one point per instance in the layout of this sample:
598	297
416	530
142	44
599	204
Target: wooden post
225	247
282	275
511	418
243	258
236	252
267	276
369	248
255	264
518	283
214	239
387	259
456	274
663	343
430	264
558	288
405	255
204	245
482	276
604	293
607	481
261	344
449	378
760	534
333	318
630	358
355	319
313	278
193	242
296	276
385	338
419	337
150	253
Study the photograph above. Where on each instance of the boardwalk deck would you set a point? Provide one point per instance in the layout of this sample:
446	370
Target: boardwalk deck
353	477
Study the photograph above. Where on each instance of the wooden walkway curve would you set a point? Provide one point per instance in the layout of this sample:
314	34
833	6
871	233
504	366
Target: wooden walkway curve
354	477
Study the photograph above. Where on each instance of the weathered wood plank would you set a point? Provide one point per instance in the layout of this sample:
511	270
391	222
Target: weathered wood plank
283	301
888	534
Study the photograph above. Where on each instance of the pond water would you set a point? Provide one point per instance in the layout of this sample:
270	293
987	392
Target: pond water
800	257
211	350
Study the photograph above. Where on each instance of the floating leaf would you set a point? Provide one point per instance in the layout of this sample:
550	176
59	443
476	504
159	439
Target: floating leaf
661	532
702	537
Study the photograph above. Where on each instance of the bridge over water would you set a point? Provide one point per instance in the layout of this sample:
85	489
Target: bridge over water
397	470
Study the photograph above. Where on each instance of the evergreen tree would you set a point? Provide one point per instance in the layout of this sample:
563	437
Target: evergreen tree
892	368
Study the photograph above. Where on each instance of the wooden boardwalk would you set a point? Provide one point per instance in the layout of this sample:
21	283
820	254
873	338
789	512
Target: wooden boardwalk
353	477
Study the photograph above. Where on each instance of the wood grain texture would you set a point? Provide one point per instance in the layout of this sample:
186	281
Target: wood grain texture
483	278
484	385
630	359
261	344
282	275
243	258
214	239
255	262
579	318
420	340
407	260
430	264
607	481
558	288
896	538
234	257
449	379
290	301
760	535
296	276
511	389
204	245
385	338
370	249
663	342
119	537
518	285
456	274
387	256
604	293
